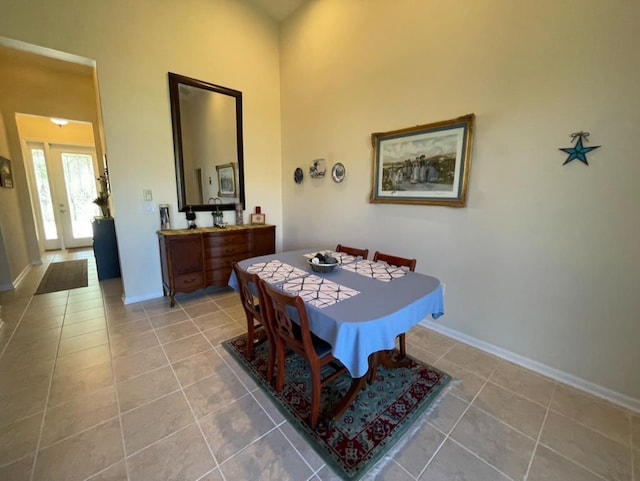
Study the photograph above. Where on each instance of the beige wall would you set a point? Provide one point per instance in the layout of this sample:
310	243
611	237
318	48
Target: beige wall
134	45
13	254
543	261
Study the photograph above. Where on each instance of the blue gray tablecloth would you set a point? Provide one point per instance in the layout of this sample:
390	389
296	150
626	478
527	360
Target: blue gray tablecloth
367	322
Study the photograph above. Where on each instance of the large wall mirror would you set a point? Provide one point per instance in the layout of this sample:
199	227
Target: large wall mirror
207	139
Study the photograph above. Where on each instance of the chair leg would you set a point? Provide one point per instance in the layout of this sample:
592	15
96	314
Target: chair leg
316	390
280	372
373	368
272	360
403	344
248	353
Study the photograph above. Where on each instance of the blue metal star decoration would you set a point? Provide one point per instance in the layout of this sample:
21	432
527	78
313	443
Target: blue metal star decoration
579	151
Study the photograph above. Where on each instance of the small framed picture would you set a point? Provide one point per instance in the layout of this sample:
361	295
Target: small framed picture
258	219
226	180
165	217
6	177
317	168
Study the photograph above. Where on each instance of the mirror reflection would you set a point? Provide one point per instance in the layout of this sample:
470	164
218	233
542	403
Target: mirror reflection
207	134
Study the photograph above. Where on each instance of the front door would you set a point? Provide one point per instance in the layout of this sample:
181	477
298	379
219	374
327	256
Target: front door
65	180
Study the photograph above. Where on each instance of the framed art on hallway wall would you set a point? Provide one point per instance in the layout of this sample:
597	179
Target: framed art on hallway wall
6	177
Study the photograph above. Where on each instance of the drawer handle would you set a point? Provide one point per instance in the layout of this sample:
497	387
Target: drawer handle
190	281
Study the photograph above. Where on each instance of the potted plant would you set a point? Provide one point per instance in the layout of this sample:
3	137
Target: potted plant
102	200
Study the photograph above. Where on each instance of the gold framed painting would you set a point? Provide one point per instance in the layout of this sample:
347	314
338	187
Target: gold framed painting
427	164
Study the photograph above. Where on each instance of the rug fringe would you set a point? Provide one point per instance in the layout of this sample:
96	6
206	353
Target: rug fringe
376	470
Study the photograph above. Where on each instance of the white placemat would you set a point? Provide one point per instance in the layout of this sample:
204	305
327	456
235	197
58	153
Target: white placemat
318	291
376	270
275	271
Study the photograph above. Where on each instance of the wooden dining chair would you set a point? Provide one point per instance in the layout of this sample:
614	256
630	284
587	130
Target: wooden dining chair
255	315
353	251
297	337
398	262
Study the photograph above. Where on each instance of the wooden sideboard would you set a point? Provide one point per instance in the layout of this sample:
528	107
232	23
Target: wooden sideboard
199	258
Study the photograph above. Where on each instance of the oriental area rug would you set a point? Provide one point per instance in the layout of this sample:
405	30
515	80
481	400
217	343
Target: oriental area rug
61	276
381	414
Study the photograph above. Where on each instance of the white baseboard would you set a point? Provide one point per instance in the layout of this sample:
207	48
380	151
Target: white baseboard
22	275
548	371
9	286
134	299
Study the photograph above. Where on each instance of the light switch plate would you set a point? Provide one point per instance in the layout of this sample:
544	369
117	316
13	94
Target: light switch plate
147	194
148	208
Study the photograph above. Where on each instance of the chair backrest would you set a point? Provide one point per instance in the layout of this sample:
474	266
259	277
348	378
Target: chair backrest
247	294
353	251
395	260
279	309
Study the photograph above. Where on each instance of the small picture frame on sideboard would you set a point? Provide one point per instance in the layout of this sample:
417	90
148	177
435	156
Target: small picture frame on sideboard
258	219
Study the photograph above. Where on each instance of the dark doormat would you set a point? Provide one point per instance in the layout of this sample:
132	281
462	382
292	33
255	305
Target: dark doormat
61	276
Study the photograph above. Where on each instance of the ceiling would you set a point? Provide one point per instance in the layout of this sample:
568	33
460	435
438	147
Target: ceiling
278	9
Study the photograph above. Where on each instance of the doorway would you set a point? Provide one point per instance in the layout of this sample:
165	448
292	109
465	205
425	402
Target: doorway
39	83
63	180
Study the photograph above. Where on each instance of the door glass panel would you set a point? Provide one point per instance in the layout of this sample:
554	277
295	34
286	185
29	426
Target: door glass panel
80	181
44	194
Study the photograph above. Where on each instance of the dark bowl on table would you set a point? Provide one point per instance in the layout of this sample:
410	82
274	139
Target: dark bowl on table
322	267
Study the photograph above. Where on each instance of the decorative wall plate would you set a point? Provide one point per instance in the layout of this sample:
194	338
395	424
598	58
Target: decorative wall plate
317	169
298	175
338	172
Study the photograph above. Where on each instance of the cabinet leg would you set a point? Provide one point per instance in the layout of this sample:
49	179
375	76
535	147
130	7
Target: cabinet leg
173	299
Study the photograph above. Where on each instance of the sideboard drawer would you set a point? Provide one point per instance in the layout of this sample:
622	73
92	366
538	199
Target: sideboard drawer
226	239
218	277
186	282
226	250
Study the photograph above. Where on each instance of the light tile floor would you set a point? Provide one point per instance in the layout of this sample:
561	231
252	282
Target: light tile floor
91	389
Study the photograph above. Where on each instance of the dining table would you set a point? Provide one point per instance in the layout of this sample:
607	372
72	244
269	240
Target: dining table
359	308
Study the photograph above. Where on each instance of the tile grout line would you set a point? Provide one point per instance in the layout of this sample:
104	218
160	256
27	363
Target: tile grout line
535	447
279	428
438	358
115	388
15	329
274	428
573	461
184	395
548	409
555	451
448	435
46	403
251	393
481	459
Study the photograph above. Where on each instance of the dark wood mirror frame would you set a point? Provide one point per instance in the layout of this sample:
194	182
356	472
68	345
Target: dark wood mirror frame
175	81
